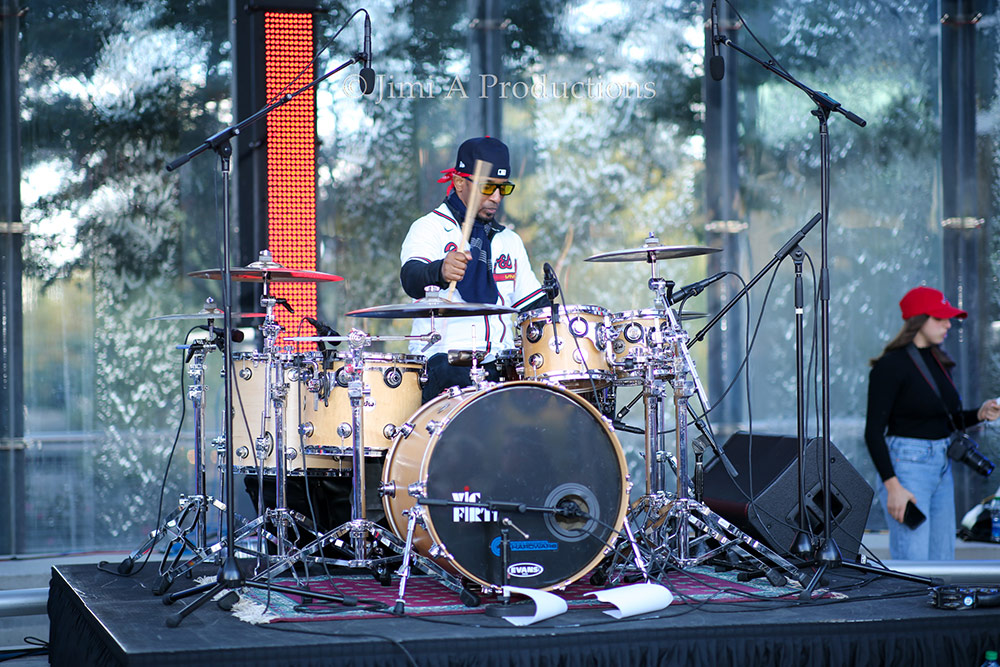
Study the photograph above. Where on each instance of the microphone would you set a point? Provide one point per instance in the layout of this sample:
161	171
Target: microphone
551	284
236	335
323	329
716	65
694	289
366	78
551	287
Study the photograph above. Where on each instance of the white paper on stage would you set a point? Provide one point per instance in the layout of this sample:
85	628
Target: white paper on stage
635	599
547	605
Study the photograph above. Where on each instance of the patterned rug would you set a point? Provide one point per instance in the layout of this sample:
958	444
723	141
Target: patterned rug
426	597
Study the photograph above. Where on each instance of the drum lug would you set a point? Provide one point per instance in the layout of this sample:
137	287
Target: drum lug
344	430
405	430
434	427
389	431
387	489
436	551
291	454
242	452
306	429
417	489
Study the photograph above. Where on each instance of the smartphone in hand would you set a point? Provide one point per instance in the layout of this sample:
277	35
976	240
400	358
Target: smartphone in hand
912	516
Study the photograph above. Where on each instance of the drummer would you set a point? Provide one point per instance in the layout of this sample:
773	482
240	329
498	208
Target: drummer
494	270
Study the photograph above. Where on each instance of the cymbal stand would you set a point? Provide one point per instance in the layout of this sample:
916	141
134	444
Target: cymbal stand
280	516
679	528
190	516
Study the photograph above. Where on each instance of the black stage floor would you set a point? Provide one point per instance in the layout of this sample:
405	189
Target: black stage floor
100	619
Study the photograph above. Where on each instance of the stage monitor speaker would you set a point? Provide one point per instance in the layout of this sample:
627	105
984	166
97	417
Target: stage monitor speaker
771	513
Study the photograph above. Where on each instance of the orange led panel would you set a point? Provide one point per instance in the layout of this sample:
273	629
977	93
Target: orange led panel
291	163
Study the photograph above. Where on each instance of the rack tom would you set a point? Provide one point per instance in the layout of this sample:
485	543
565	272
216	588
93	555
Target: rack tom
571	352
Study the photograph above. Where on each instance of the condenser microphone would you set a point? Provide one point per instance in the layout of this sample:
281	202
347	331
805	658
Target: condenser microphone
694	289
366	78
322	328
236	335
716	65
551	282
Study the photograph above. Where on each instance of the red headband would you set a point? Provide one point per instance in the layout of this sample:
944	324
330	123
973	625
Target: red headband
448	173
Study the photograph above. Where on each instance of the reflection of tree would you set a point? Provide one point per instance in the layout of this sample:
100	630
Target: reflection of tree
102	116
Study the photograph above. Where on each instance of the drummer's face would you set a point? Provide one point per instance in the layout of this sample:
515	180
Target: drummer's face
488	205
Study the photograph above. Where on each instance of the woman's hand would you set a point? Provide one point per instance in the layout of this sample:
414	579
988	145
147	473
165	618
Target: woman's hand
898	497
989	410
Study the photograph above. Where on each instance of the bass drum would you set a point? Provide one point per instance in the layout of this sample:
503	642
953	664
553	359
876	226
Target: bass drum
526	442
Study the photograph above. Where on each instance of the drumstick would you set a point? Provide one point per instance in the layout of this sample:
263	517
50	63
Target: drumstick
478	176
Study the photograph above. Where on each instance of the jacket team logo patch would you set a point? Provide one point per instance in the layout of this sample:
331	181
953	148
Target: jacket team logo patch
503	268
451	247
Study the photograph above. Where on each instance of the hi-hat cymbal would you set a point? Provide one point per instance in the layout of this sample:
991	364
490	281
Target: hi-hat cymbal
651	252
431	306
214	314
208	312
270	275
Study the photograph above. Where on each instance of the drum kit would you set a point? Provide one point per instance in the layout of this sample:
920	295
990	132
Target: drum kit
518	481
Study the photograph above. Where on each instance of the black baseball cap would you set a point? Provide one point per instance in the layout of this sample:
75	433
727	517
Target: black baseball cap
486	149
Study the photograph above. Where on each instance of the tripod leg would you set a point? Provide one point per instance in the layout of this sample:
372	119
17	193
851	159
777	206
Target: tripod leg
404	568
210	590
807	592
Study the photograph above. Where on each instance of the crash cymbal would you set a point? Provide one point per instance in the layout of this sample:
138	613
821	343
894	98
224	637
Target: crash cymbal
271	275
651	250
431	306
265	269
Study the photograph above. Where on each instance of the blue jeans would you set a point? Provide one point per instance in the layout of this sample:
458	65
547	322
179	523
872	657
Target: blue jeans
923	467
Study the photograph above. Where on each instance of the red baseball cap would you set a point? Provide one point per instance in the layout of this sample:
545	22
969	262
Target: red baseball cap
928	301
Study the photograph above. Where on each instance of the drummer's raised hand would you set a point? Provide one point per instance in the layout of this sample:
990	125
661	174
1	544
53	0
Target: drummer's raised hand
453	266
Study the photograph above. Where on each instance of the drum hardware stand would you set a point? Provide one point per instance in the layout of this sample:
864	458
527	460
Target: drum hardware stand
191	512
361	533
677	525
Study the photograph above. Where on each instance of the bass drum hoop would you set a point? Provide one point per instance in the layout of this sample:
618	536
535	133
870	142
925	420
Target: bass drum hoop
428	536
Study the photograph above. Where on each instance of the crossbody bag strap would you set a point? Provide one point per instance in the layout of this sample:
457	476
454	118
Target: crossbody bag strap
921	365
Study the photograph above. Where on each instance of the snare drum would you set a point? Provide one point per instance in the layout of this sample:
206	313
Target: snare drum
634	336
530	443
549	352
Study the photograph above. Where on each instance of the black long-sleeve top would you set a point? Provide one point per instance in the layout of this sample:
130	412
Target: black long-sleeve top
901	402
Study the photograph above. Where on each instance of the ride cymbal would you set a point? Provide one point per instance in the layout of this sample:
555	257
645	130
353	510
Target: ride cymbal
431	307
649	253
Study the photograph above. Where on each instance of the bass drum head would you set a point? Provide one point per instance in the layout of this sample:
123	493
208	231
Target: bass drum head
534	445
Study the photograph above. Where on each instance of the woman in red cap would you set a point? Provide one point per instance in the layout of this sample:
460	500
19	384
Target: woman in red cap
913	409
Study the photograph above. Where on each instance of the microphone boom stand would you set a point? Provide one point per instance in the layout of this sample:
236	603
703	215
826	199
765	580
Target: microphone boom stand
230	577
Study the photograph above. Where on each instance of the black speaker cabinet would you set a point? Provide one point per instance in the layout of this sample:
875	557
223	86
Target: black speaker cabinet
767	465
